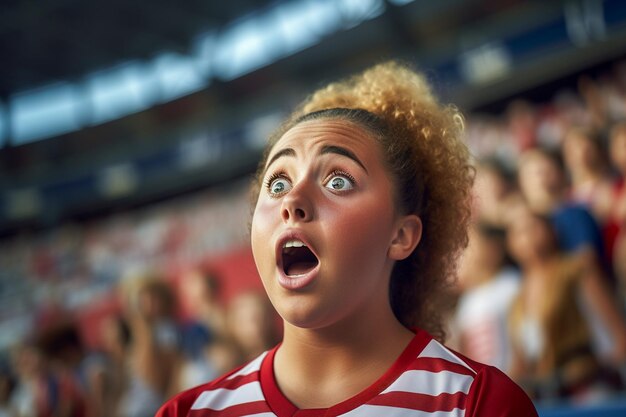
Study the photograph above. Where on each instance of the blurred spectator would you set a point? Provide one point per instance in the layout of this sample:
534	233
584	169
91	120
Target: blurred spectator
591	181
219	356
553	354
107	371
488	137
616	227
44	390
494	193
30	398
249	328
155	346
595	102
206	320
63	348
204	339
488	287
252	323
542	183
522	122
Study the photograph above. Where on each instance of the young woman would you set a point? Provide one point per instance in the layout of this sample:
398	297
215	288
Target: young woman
553	354
362	208
487	286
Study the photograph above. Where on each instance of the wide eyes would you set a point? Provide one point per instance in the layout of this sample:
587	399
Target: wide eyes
340	182
337	181
278	185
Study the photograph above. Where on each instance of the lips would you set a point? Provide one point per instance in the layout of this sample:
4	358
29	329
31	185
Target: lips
297	262
297	258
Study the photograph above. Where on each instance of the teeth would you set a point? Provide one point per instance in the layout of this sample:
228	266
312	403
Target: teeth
293	244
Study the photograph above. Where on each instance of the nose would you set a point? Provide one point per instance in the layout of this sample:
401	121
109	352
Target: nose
297	205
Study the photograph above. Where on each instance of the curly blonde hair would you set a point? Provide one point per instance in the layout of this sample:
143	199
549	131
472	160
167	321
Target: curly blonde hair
430	165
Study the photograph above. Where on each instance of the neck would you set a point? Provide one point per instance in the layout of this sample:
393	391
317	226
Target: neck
585	176
540	260
317	368
546	204
578	178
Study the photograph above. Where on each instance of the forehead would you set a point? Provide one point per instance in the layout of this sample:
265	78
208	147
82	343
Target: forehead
535	160
312	133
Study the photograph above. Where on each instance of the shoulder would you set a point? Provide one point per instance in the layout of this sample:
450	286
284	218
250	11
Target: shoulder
573	210
493	393
479	301
488	391
507	283
239	386
578	263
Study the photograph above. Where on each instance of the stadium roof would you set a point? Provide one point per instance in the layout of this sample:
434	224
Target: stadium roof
51	41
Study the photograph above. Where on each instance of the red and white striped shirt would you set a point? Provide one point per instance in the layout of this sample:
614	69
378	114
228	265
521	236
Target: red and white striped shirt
427	380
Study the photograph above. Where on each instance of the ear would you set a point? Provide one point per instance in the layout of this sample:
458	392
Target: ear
408	235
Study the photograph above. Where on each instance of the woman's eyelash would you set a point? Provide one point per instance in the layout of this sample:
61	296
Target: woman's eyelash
337	172
343	174
274	176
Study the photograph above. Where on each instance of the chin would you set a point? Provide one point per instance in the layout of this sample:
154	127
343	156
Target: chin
298	314
299	317
313	318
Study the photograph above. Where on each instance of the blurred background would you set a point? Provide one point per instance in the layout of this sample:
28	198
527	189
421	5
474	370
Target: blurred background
129	131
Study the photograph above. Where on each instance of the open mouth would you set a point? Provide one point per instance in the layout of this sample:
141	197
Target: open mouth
298	259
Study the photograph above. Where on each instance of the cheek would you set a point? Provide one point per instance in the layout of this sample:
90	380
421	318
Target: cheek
261	229
361	231
350	221
263	216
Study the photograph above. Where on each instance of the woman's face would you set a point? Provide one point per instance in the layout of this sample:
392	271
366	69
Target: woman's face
529	238
323	224
483	254
579	152
490	189
539	177
250	317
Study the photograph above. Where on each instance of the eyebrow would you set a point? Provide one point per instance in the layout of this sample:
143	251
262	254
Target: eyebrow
281	153
329	149
344	152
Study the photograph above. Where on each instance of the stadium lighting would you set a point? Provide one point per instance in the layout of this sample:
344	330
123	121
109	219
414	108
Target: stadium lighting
250	43
51	110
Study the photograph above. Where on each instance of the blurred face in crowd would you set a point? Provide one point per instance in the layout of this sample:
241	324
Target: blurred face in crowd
618	150
490	189
154	302
323	224
250	316
529	237
482	258
29	361
199	293
113	339
540	178
580	152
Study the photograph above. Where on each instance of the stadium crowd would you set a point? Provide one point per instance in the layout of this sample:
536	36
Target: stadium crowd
542	288
541	292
